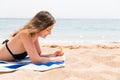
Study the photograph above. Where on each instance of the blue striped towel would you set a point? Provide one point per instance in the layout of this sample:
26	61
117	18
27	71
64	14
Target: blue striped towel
26	64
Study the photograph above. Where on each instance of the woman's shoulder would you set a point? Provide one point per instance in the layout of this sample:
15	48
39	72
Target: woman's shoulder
23	33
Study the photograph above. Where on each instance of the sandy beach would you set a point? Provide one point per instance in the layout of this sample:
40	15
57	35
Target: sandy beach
83	62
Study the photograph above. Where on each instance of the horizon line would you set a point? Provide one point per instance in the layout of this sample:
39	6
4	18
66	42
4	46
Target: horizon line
55	18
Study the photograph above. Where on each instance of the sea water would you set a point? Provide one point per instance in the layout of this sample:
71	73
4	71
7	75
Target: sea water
70	30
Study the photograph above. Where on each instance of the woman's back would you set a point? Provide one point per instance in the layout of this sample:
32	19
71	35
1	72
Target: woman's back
14	44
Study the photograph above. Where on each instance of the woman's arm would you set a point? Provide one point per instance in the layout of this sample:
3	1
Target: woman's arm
37	46
28	44
32	51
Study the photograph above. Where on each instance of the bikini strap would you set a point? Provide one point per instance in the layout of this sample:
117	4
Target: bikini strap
8	48
5	41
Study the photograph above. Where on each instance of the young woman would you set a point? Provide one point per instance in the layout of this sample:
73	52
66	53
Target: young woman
25	41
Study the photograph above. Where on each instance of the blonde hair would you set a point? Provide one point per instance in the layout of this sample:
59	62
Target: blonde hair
40	21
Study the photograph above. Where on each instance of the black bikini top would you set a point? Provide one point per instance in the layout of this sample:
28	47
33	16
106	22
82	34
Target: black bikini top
15	56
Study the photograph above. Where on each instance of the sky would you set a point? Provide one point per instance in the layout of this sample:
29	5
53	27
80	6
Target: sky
60	8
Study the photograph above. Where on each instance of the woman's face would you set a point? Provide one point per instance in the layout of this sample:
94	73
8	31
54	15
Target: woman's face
45	32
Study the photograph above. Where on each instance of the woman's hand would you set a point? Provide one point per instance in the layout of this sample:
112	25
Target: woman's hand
57	53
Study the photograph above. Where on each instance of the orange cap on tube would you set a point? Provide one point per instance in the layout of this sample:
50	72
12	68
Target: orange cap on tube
60	53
